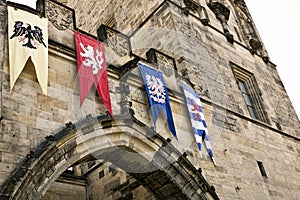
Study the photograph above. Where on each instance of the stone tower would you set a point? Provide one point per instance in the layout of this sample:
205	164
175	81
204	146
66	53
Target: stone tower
52	148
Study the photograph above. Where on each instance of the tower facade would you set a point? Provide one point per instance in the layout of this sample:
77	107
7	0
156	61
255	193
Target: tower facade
51	147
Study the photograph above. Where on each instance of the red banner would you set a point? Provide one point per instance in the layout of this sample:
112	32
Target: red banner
92	68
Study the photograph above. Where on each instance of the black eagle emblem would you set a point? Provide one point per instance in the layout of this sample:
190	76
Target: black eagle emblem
33	36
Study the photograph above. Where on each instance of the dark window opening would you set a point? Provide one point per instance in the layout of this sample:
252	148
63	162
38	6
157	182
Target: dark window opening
101	174
262	169
247	99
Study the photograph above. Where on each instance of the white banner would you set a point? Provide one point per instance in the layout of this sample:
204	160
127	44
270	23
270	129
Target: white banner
28	37
30	3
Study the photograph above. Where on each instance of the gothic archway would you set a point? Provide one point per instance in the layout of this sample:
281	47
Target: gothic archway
111	140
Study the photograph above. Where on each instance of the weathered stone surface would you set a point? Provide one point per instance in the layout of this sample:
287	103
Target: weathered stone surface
202	56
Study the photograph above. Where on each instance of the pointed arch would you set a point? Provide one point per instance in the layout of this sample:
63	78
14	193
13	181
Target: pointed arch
111	140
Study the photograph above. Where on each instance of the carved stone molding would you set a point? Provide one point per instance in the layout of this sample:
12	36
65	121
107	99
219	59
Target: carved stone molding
277	123
229	36
240	2
203	15
163	61
165	65
59	16
118	43
191	4
222	14
255	44
219	9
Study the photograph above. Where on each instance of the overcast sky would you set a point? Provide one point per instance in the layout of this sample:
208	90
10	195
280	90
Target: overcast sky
278	24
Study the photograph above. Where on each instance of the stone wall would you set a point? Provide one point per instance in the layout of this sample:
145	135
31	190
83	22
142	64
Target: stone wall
110	182
62	191
28	115
203	56
237	174
127	14
179	34
240	143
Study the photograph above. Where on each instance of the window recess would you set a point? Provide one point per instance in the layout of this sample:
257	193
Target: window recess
251	93
262	169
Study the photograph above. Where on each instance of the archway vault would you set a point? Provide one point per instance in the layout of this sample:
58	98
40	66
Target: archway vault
123	141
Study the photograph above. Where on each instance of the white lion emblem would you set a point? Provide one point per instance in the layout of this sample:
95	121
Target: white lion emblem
92	59
156	89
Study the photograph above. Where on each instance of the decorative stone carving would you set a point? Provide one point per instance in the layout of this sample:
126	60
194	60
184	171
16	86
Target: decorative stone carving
164	62
191	4
203	15
118	46
59	16
140	103
250	34
118	43
255	44
196	7
222	14
219	9
165	65
277	123
124	92
240	2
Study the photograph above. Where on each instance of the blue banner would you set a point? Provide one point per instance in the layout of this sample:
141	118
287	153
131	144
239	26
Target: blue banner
157	95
